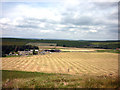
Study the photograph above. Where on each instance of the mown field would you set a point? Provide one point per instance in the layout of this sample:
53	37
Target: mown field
65	62
64	69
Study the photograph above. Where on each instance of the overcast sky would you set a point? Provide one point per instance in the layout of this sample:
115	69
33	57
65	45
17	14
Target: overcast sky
68	19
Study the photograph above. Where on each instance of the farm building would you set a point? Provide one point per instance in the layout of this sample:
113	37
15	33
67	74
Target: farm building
25	52
42	53
36	50
12	53
52	50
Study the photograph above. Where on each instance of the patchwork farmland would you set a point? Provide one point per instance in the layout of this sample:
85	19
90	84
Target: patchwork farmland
79	63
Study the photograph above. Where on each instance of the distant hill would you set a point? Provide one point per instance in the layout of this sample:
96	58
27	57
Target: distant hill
110	44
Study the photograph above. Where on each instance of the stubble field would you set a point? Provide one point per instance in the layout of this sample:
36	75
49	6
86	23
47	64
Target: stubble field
79	63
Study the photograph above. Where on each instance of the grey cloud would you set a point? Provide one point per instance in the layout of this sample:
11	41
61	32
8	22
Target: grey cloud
79	21
98	18
27	26
105	5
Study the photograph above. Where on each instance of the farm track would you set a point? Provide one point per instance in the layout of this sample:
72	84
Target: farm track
66	62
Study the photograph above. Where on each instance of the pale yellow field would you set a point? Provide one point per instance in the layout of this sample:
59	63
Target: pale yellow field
66	62
71	49
77	50
51	47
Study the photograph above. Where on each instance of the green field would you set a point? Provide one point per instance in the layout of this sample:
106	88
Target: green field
42	44
105	43
14	43
109	50
21	79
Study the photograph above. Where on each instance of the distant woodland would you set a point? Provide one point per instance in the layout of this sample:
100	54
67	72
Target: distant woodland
15	44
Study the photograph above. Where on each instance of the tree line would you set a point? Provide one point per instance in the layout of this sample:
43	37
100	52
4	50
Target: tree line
6	49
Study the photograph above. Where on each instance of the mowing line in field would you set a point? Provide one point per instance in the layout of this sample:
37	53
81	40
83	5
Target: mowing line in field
48	65
33	65
77	68
85	67
17	64
69	65
22	64
39	63
68	68
27	65
10	64
61	65
30	66
51	65
45	65
7	60
57	65
64	68
95	67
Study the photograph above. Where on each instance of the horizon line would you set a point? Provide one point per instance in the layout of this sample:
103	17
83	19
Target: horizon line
62	39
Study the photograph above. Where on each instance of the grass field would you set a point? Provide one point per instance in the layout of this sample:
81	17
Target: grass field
109	50
105	43
22	79
51	47
42	44
13	43
65	62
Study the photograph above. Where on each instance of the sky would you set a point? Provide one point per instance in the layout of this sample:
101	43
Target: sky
65	19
